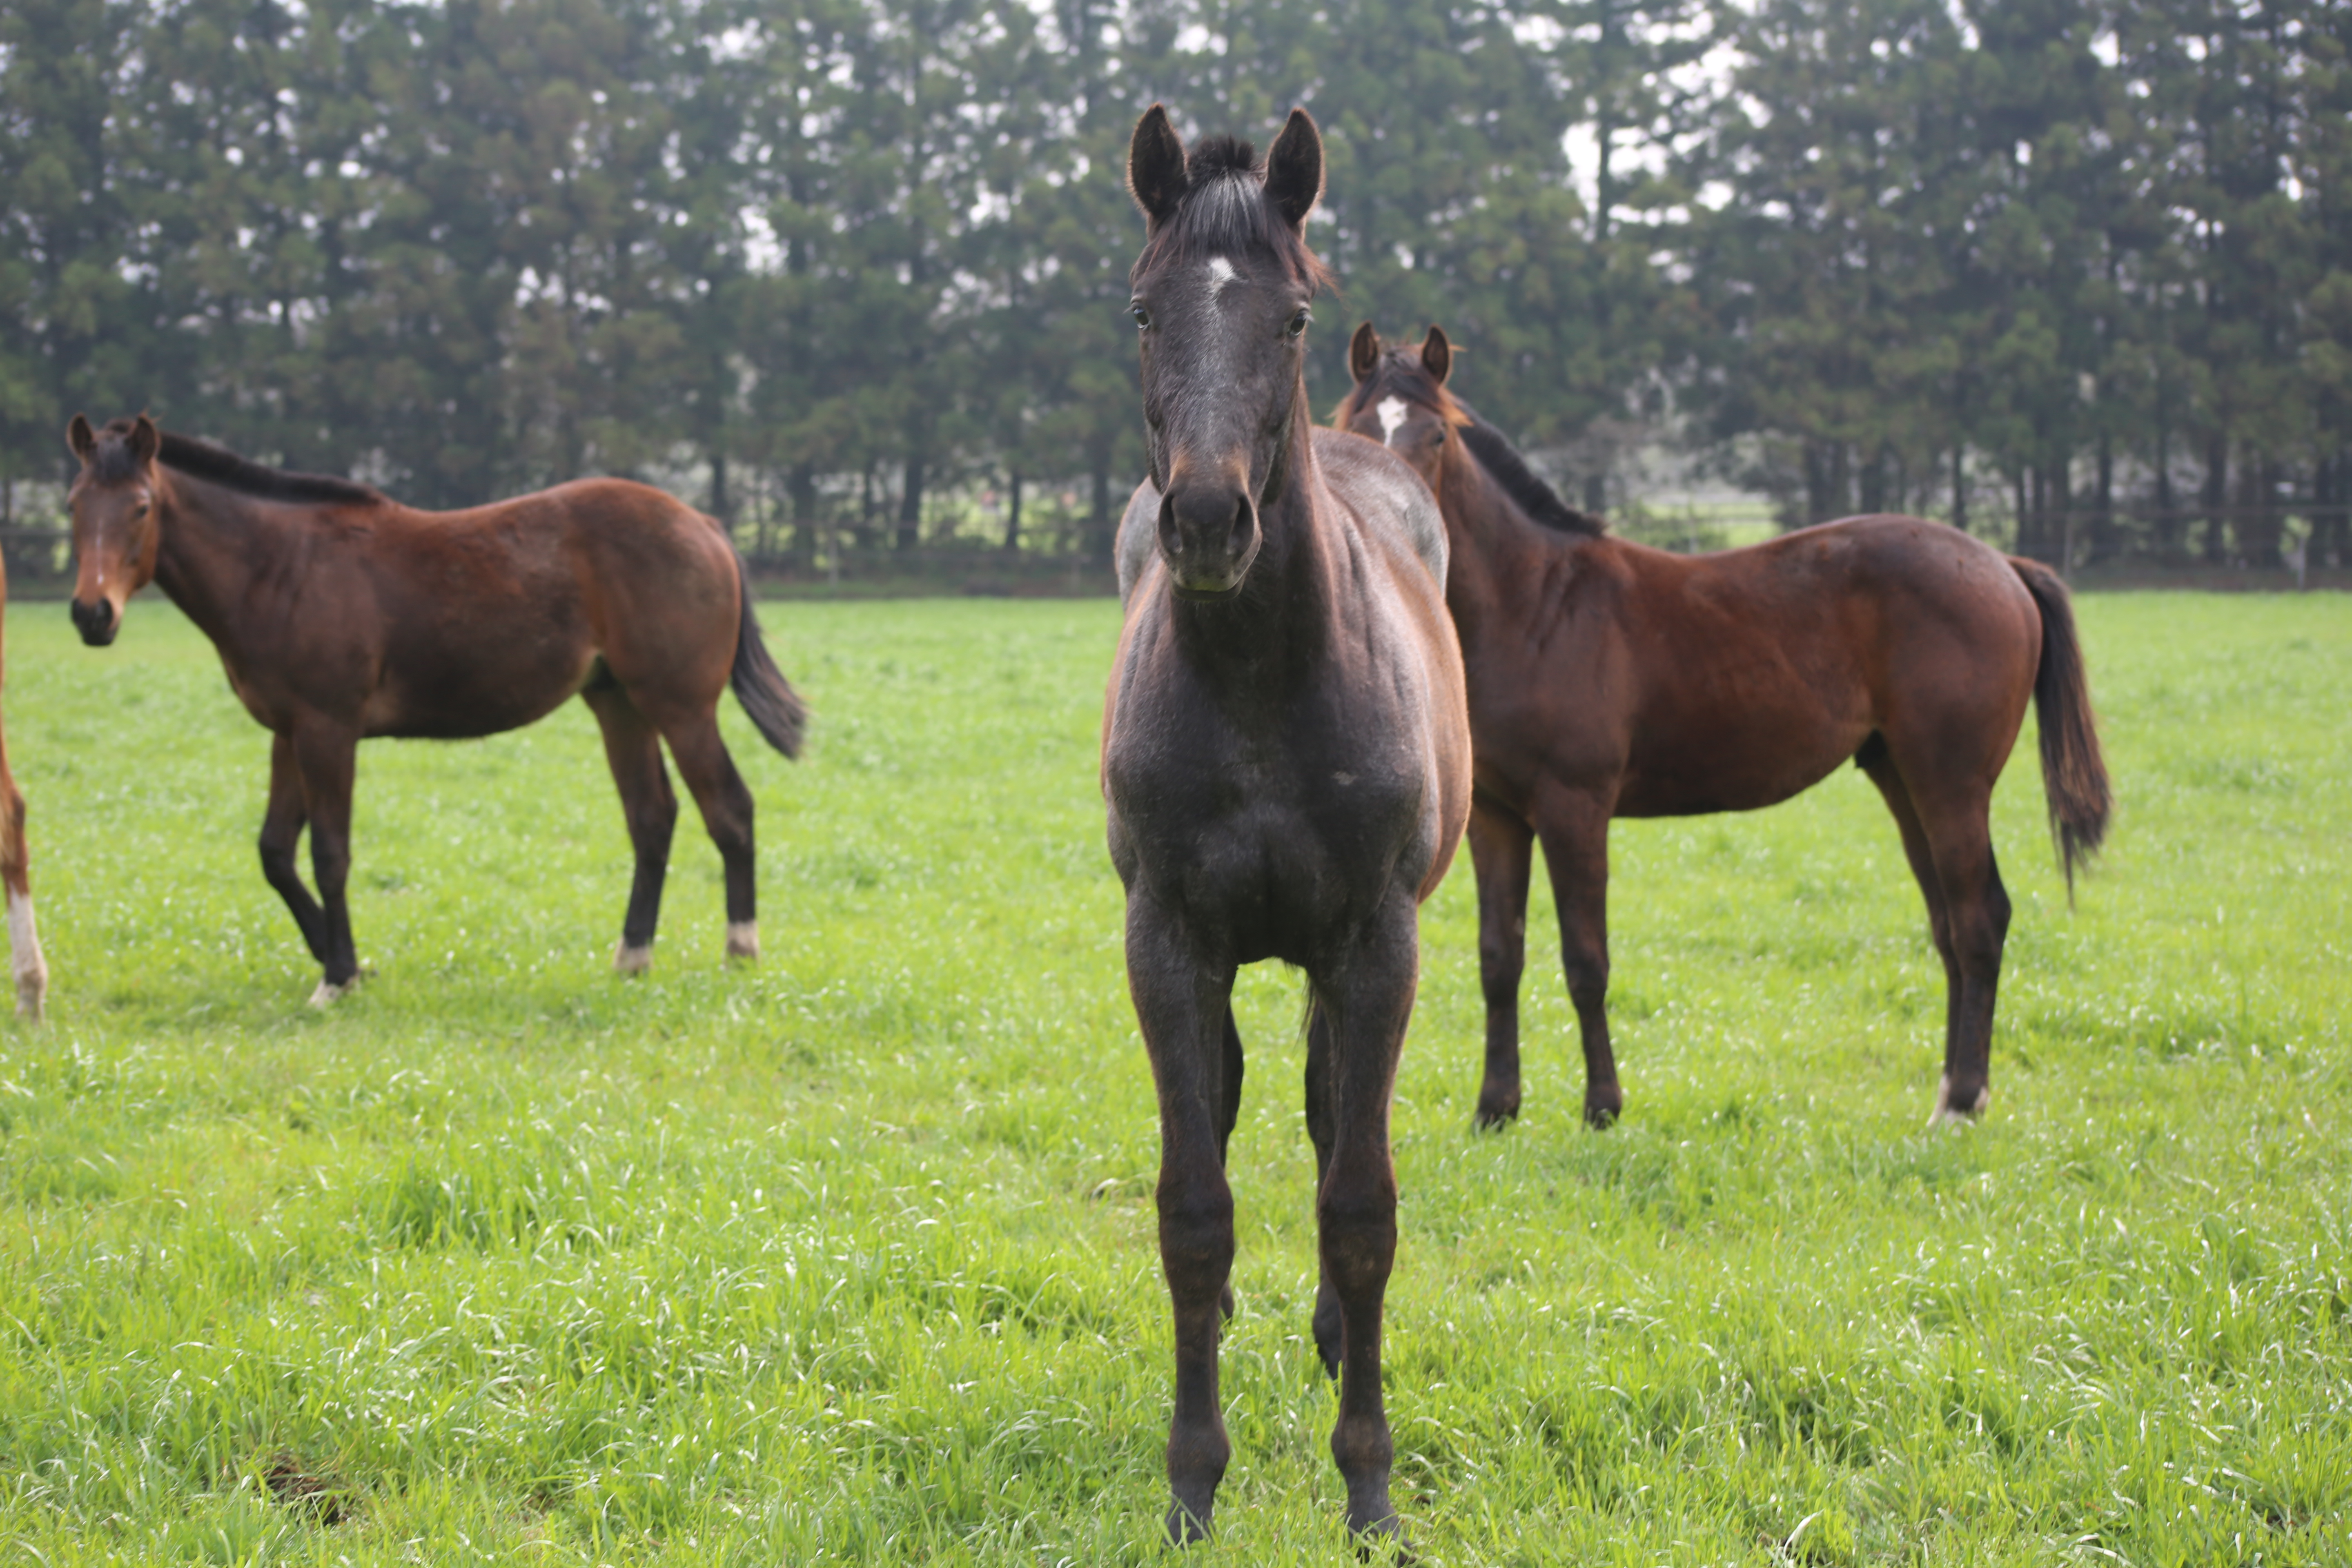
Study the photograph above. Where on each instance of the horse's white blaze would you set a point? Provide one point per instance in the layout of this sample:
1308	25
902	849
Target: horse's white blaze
1392	412
742	938
1221	272
628	959
32	972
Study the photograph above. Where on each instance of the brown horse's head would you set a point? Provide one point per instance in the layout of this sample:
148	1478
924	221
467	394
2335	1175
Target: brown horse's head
1220	296
115	502
1399	398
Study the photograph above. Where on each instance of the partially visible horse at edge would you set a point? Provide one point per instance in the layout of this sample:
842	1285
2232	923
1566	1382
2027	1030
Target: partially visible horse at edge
30	970
1610	679
1286	763
340	615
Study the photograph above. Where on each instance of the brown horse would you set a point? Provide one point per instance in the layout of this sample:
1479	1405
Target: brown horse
1285	759
342	614
31	970
1607	679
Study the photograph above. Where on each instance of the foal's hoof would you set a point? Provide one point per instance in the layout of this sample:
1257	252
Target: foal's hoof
628	959
1600	1110
327	991
743	940
1498	1107
1383	1541
1186	1526
30	990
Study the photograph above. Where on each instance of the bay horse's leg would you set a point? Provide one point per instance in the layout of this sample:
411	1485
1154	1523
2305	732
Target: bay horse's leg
1881	771
281	836
1369	997
327	757
1229	1111
1180	1002
30	970
726	804
1322	1133
1576	852
1502	850
1954	821
649	806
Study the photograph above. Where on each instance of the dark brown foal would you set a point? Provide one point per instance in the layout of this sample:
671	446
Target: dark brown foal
1285	759
1608	679
340	615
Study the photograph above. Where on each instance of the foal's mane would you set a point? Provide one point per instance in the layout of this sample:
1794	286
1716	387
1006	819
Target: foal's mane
1225	211
111	461
1400	373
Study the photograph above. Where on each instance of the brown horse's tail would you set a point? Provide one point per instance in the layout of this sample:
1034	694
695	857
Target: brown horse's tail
2073	773
775	709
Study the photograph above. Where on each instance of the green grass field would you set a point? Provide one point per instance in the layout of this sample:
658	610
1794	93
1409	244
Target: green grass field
851	1256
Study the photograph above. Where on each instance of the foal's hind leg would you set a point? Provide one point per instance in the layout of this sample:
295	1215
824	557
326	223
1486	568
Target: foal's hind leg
31	970
1502	851
650	807
725	802
281	836
1576	852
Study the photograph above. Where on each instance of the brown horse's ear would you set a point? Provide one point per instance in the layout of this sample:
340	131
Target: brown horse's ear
1364	353
1294	168
81	437
145	439
1155	166
1436	354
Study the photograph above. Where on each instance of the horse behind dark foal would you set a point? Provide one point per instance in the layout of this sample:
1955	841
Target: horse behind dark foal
1285	760
342	614
1608	679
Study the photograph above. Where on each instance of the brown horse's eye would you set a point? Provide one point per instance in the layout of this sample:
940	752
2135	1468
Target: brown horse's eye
1142	317
1299	322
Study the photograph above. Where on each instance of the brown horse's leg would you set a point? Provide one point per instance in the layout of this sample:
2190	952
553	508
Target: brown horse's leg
1576	851
1959	830
1370	998
281	836
31	971
726	804
1180	1003
1916	850
1320	1132
327	755
648	806
1502	849
1229	1111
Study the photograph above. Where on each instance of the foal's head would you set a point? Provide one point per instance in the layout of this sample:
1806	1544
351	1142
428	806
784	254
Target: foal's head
1399	398
1220	296
114	501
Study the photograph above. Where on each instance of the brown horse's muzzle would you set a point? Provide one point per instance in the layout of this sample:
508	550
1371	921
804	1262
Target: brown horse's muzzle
1208	535
97	623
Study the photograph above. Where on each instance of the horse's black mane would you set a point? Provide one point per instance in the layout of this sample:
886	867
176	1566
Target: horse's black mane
1538	499
1224	211
111	462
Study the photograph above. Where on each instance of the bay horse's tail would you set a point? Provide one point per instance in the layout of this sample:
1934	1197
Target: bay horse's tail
775	709
2073	773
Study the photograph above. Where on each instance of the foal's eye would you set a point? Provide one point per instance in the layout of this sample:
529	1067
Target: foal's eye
1299	322
1142	317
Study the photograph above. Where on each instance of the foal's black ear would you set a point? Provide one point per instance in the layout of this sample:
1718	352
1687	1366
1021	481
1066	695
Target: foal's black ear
1294	168
1364	353
145	439
1436	354
81	437
1155	166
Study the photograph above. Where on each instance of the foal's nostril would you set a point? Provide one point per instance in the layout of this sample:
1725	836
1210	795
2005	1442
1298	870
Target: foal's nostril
95	622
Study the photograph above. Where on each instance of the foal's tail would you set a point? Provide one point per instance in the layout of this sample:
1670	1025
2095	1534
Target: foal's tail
2074	774
775	709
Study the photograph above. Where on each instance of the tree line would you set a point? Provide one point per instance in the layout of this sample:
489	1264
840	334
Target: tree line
2074	272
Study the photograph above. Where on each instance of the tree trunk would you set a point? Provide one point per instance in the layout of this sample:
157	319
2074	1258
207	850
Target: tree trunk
1105	526
2259	523
911	503
2106	540
1961	485
722	505
1012	513
804	524
2217	498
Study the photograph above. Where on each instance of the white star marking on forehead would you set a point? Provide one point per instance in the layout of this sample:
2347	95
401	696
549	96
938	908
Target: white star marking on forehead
1221	272
1392	412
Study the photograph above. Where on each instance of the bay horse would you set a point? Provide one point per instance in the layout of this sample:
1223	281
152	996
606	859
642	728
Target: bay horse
1285	760
1608	679
340	615
29	968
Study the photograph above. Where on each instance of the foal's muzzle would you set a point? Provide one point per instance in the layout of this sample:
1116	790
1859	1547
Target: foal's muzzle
1208	535
97	623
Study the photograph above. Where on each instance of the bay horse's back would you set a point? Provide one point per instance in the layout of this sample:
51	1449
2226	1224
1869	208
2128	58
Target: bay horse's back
30	969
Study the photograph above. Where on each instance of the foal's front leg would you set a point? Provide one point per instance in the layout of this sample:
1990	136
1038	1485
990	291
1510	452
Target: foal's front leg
1367	998
1181	1001
281	836
327	755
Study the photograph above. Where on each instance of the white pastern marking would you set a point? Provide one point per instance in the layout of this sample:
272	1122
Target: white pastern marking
1221	272
325	994
32	972
628	959
743	939
1391	411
